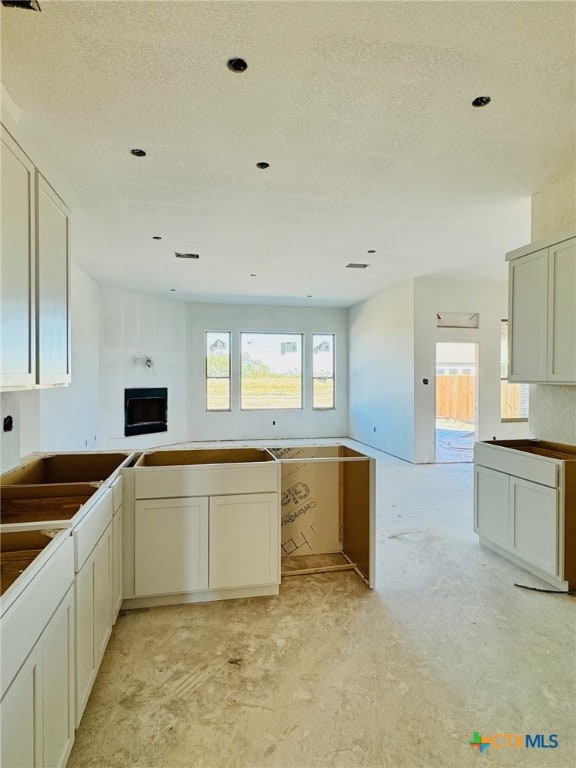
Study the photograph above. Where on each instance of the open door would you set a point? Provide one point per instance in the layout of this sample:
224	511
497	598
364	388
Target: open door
456	401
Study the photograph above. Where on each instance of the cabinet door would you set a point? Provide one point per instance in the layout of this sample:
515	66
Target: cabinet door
102	595
171	546
21	716
534	524
528	316
58	684
491	505
562	312
116	564
17	284
84	619
53	286
244	540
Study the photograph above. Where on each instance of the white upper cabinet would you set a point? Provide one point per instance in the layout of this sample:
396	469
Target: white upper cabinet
542	312
53	286
18	267
35	277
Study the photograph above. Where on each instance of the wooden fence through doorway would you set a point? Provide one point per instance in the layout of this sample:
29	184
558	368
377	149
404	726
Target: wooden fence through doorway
455	398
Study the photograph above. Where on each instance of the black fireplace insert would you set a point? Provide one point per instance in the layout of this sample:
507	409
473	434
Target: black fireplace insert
145	410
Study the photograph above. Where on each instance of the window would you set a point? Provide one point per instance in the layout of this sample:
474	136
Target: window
513	397
323	370
217	370
271	370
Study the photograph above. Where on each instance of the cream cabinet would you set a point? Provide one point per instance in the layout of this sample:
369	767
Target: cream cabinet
542	312
93	551
205	543
53	281
524	502
35	278
18	267
244	541
171	546
37	702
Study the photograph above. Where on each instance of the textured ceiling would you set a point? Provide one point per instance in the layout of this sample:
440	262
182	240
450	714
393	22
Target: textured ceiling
362	110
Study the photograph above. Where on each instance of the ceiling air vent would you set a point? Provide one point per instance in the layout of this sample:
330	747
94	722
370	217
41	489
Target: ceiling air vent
353	265
186	255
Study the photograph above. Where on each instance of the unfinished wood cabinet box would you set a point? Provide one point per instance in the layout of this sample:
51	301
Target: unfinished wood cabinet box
328	510
525	505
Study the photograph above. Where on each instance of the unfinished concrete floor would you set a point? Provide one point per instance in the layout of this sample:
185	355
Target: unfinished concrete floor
331	674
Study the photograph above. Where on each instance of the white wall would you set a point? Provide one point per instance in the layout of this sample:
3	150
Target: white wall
381	375
553	408
491	301
69	416
240	425
137	325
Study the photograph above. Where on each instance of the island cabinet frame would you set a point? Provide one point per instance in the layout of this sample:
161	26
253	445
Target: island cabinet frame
525	505
205	524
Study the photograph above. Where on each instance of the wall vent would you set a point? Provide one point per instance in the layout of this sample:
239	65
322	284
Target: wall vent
186	255
353	265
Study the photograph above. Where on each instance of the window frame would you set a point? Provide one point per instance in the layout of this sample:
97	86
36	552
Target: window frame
302	337
333	377
208	378
503	419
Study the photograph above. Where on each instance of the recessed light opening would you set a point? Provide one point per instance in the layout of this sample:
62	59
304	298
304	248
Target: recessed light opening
370	251
481	101
262	165
26	5
186	255
138	152
237	65
354	265
156	237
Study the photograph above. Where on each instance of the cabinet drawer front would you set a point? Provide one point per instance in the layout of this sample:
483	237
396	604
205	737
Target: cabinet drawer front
25	620
153	483
538	469
91	527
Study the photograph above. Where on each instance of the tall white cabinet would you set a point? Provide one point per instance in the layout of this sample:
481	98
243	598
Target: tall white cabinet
542	311
35	275
18	267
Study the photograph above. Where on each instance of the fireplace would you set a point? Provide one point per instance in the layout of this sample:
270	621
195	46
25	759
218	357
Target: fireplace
145	410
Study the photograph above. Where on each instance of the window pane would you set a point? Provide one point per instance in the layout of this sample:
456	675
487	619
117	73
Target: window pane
218	394
271	370
218	370
513	397
323	370
323	393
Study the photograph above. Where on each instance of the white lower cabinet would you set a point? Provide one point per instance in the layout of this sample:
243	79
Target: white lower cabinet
244	540
534	524
21	716
199	544
93	616
171	546
37	711
116	564
491	497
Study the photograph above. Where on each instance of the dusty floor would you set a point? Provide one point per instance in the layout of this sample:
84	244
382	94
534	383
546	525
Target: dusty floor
331	674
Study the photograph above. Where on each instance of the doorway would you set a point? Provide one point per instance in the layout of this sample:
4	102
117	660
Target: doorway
456	401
